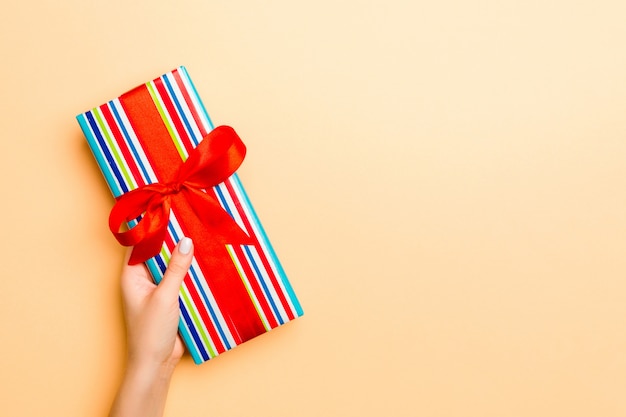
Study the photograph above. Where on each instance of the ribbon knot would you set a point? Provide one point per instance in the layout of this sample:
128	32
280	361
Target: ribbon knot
173	188
215	159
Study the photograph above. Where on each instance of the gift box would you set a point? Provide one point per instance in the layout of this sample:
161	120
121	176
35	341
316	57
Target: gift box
172	175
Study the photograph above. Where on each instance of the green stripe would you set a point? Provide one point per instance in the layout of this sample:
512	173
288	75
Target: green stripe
198	323
166	122
255	302
118	159
254	220
187	301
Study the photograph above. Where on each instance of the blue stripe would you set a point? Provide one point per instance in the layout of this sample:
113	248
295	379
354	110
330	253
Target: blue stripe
184	73
107	153
220	196
188	339
91	140
194	333
130	143
101	152
157	274
155	269
251	261
260	279
179	108
196	279
161	264
211	311
270	251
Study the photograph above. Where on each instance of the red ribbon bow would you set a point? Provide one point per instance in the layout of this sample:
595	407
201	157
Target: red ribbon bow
215	159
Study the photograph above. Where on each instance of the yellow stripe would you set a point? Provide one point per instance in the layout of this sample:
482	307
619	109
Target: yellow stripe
111	142
199	327
163	113
184	293
255	302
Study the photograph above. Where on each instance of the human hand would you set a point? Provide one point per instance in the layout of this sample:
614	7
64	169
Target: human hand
152	312
154	347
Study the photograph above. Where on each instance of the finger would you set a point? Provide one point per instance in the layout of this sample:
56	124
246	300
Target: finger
134	273
178	267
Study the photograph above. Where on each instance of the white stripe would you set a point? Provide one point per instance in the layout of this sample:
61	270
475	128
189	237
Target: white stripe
264	247
268	283
191	342
134	140
186	113
106	165
201	284
192	308
231	205
169	119
109	138
246	282
197	104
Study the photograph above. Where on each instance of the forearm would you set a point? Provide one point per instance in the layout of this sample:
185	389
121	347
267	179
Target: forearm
154	348
143	391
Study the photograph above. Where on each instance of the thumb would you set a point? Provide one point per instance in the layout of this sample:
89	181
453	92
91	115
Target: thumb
178	267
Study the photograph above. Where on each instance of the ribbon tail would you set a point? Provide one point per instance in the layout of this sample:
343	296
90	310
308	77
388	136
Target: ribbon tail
148	248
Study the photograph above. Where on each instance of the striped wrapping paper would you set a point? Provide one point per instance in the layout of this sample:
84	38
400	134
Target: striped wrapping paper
262	292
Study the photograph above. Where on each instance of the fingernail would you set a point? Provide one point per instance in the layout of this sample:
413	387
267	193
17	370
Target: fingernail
184	246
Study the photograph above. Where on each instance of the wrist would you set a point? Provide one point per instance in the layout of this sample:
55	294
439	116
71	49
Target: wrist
151	370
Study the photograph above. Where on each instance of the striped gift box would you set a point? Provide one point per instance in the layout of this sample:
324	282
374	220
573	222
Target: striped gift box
216	314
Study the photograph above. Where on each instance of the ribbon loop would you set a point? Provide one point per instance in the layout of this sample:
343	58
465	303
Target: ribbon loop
215	159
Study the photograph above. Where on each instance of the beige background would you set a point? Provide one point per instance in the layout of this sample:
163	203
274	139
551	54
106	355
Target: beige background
443	181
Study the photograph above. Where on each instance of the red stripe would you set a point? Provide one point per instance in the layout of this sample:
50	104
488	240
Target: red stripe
121	142
171	111
221	275
192	107
256	288
197	301
262	256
